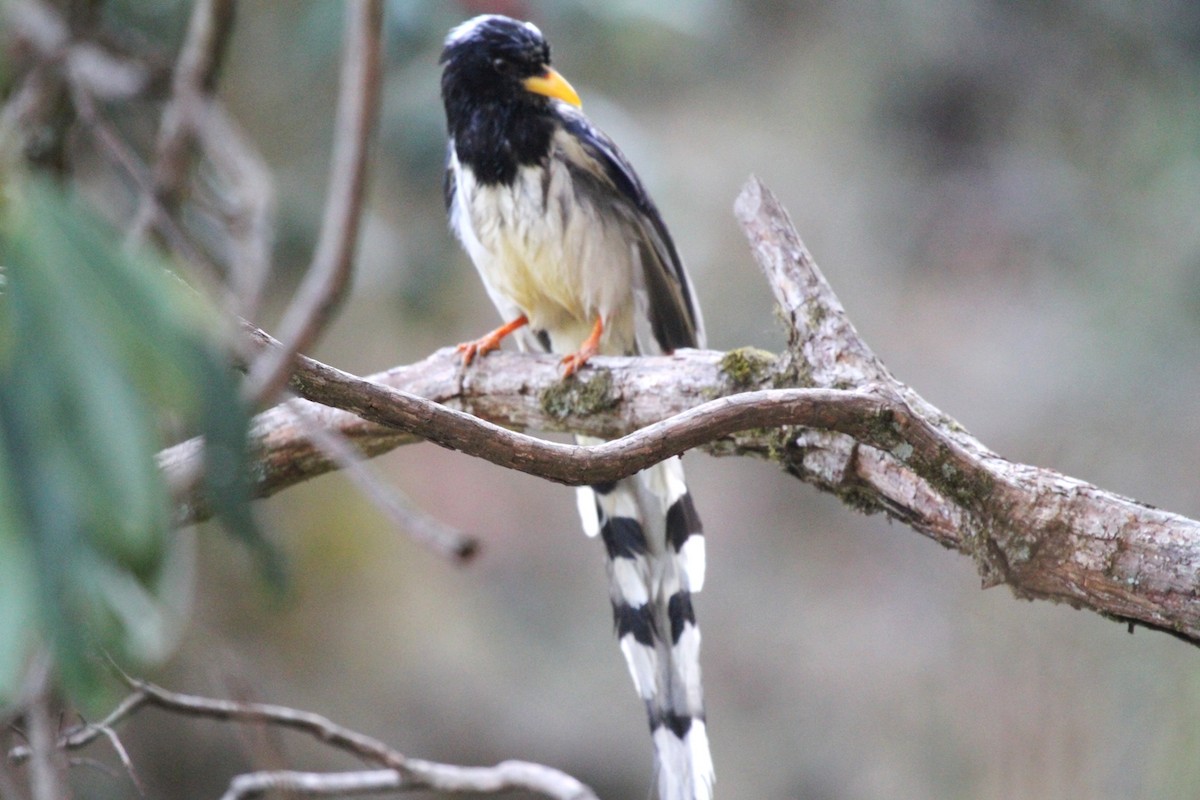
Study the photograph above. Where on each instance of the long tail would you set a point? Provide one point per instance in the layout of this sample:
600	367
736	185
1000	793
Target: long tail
655	547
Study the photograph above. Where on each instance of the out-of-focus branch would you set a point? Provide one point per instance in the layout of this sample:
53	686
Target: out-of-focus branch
401	772
503	777
314	784
194	121
39	110
115	148
192	86
46	763
89	74
331	267
244	200
827	411
426	529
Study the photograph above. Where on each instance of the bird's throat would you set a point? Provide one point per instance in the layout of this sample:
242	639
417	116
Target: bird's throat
494	142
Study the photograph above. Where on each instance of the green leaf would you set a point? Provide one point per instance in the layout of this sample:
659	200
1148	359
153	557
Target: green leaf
98	349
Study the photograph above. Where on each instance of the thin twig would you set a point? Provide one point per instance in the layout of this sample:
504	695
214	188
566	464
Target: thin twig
123	156
191	117
39	111
85	734
503	777
329	273
414	773
192	86
403	772
442	538
122	754
243	196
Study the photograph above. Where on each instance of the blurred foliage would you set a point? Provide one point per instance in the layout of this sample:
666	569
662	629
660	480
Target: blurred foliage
98	349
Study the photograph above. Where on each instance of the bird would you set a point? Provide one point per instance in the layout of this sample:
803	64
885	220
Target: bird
577	260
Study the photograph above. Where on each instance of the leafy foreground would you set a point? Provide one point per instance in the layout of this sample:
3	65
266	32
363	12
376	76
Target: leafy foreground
100	350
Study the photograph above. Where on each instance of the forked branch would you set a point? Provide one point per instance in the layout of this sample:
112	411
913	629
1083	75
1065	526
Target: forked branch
827	411
395	772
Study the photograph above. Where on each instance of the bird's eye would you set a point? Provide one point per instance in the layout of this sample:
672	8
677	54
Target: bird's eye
503	66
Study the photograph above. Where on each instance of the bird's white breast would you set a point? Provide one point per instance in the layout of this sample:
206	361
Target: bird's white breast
545	252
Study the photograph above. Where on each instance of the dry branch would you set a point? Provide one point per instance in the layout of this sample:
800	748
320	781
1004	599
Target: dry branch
827	411
399	773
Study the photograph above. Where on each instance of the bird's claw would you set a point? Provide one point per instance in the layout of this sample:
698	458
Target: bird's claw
572	362
477	347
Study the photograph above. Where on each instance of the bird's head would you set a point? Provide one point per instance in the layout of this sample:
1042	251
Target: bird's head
495	59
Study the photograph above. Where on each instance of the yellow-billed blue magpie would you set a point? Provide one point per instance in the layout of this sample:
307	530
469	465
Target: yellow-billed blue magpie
578	261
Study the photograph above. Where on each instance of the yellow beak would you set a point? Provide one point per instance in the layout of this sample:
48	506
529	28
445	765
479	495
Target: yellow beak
552	84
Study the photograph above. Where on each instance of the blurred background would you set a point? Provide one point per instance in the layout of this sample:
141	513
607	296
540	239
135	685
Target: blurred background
1006	197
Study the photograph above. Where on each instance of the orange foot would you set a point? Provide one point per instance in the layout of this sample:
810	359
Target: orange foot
591	345
489	341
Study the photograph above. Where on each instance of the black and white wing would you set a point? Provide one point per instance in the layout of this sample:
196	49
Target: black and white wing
663	286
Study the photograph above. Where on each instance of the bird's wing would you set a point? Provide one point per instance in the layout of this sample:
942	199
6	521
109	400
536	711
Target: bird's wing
674	315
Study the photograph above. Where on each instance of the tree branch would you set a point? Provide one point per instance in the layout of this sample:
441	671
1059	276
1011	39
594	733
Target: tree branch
46	764
1046	535
827	411
401	772
316	784
329	274
426	529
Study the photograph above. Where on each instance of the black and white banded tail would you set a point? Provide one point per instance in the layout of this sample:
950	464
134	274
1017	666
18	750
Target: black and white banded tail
655	547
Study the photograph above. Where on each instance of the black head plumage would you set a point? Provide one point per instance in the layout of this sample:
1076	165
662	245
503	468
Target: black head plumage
485	60
496	123
496	45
